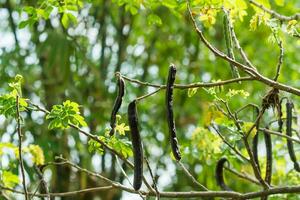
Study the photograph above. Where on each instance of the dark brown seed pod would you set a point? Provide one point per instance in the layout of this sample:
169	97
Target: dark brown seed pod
268	143
117	105
290	145
170	115
136	145
255	141
280	121
219	174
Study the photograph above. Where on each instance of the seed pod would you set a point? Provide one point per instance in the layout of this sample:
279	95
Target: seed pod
117	105
136	145
290	145
255	142
170	115
268	143
228	41
219	174
280	121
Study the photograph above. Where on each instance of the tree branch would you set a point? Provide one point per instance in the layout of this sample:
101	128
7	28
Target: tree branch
95	138
175	195
280	135
192	85
275	14
20	135
251	71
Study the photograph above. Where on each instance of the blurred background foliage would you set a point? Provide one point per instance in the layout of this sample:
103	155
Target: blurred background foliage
71	50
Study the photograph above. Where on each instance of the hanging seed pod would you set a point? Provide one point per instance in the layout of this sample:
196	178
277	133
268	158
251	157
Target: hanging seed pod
136	145
290	145
117	105
268	143
170	115
279	109
219	174
229	46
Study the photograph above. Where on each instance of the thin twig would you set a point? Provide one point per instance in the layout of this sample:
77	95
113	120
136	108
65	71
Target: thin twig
193	85
153	179
186	171
126	176
242	175
4	196
280	58
36	189
275	14
249	151
20	135
246	106
238	46
43	182
229	145
148	95
280	135
95	138
260	114
254	165
251	71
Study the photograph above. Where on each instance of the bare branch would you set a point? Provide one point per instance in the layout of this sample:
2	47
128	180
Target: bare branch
153	179
190	194
238	46
280	135
280	58
275	14
191	176
95	138
193	85
229	145
20	135
242	175
251	71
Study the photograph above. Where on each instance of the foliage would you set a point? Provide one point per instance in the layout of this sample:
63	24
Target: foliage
121	145
9	179
63	115
8	104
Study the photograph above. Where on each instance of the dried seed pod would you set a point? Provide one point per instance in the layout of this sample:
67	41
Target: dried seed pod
170	115
117	105
290	145
219	174
268	143
228	41
255	141
136	145
279	109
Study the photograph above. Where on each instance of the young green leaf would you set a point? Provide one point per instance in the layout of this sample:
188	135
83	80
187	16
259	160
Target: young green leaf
63	115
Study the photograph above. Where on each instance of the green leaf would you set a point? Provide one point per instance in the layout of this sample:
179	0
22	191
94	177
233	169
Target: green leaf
279	2
72	18
63	115
153	19
170	3
23	24
121	145
9	179
246	127
192	91
65	20
95	147
121	128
